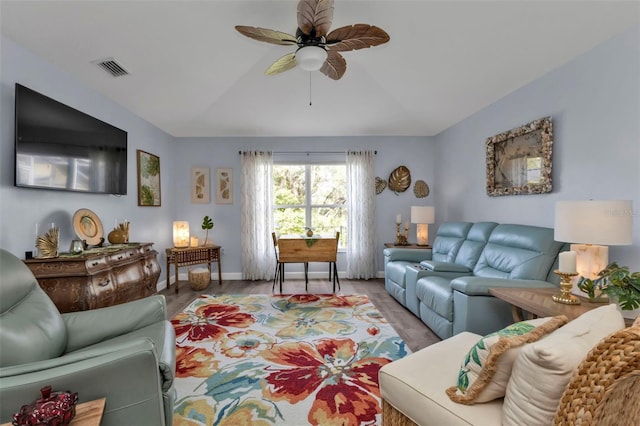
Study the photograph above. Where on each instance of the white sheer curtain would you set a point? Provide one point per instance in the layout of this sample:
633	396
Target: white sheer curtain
361	194
258	258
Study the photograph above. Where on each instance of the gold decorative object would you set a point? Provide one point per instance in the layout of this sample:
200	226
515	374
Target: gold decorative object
399	179
47	244
88	227
116	236
420	189
380	185
401	239
565	295
124	228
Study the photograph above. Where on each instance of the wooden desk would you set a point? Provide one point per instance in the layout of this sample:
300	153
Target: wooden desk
193	256
527	303
87	413
296	249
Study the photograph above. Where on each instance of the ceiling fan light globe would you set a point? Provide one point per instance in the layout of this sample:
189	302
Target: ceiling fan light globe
311	58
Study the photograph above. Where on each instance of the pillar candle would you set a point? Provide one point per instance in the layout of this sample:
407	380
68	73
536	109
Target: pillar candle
398	218
567	262
194	242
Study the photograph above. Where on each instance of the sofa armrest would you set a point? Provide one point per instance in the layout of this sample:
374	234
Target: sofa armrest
479	286
409	255
89	327
434	265
93	375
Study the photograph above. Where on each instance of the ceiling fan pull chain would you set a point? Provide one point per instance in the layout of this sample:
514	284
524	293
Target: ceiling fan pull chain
310	89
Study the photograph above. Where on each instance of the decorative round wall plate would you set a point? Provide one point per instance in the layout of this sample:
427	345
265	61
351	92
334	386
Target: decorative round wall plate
88	226
380	185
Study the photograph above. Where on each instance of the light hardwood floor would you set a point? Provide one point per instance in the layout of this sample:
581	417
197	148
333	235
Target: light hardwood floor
409	327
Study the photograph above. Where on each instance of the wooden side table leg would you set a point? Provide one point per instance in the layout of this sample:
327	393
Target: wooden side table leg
219	271
517	313
168	274
176	283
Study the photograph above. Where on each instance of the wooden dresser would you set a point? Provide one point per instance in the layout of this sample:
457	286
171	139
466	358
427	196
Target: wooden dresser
99	277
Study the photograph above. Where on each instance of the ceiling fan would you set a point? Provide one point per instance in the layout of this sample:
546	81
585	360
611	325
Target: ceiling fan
318	49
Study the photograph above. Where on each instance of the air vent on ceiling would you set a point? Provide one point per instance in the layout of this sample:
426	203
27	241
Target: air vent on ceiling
112	67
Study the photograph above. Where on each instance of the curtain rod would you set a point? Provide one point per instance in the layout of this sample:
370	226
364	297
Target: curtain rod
309	152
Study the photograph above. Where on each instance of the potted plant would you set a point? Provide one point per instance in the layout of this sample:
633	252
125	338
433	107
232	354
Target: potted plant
618	283
207	224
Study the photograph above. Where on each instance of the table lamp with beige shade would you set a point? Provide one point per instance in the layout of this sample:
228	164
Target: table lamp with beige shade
591	226
422	216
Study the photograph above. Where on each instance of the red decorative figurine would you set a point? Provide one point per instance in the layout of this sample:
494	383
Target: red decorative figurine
53	409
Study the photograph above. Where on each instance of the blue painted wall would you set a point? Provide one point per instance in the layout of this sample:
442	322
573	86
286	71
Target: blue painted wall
594	101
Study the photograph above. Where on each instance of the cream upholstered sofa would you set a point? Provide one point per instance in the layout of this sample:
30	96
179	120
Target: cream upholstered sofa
585	372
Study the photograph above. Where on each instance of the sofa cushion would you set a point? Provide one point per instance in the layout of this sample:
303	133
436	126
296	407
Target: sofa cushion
543	369
518	251
472	246
32	328
415	385
436	294
486	368
449	238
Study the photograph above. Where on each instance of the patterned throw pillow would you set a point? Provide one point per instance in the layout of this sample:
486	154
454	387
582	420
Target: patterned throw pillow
486	368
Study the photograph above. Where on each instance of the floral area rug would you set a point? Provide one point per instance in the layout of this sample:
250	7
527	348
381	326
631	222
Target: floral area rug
281	360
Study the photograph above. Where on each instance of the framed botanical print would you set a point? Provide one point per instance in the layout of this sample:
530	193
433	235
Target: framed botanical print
200	186
519	160
148	179
224	186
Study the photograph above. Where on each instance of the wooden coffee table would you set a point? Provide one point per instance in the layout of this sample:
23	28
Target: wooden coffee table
528	303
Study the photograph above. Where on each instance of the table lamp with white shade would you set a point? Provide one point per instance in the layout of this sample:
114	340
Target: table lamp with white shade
422	216
591	226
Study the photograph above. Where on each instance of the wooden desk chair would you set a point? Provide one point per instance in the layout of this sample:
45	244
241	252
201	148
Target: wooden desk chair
279	266
333	266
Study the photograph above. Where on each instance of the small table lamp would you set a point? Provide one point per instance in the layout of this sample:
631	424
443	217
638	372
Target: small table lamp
593	225
181	234
422	216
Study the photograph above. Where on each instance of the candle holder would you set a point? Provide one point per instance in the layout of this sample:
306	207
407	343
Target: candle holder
565	295
401	240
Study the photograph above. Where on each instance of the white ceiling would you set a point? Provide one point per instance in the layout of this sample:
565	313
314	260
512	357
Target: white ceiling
192	74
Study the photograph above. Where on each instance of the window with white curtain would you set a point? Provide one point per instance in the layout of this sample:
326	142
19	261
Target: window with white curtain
310	191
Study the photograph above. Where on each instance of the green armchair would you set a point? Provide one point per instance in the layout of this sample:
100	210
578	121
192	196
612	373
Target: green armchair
125	353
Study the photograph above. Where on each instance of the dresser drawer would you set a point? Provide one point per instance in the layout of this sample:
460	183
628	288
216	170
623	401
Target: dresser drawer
95	264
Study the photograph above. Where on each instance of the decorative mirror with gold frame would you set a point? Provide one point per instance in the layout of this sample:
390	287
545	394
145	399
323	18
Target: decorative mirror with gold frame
519	160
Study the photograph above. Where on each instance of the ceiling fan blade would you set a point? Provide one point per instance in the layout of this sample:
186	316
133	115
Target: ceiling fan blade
354	37
283	64
335	65
315	14
266	35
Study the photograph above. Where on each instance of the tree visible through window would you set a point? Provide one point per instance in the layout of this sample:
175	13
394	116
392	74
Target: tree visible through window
310	196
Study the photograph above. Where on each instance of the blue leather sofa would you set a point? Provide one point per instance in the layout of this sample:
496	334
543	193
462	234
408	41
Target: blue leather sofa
447	286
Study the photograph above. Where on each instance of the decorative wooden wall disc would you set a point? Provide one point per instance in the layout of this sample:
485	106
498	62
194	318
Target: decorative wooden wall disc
380	185
420	189
400	179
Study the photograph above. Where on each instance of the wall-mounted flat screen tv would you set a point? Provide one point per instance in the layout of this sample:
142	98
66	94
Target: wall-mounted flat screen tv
58	147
